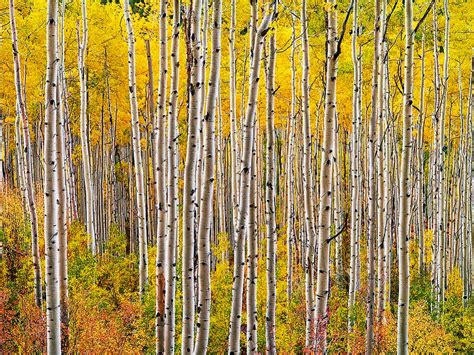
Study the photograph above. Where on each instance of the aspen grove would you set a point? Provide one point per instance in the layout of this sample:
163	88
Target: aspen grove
236	176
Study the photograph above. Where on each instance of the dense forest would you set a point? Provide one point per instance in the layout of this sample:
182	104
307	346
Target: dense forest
236	176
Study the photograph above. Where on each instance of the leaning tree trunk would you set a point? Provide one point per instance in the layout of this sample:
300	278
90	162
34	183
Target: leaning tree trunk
53	317
207	192
163	340
30	188
404	212
325	190
137	156
244	193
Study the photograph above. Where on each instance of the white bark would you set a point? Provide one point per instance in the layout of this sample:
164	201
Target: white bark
244	198
372	222
206	210
355	198
325	187
404	213
28	165
172	159
163	341
53	321
86	159
189	191
270	204
307	184
137	155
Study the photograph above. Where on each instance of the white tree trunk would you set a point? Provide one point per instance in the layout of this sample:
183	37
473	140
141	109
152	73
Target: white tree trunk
244	198
206	210
372	222
404	213
270	203
355	198
189	190
137	155
28	165
328	158
307	184
53	320
172	159
163	341
86	160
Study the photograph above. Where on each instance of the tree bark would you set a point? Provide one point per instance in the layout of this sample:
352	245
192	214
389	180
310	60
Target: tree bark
137	156
246	168
53	319
28	165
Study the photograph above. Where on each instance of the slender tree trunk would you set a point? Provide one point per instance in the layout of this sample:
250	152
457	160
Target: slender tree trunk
206	210
189	191
372	222
252	262
86	160
307	184
172	212
325	187
290	174
381	183
26	149
421	179
355	210
159	125
137	156
234	145
404	213
244	198
270	202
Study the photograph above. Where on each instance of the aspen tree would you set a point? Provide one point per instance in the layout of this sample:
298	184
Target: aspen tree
53	321
371	218
86	159
252	261
270	203
404	212
189	191
325	185
62	217
421	126
137	155
172	159
307	183
234	145
206	211
355	211
244	193
28	165
62	186
441	222
159	161
290	205
381	183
